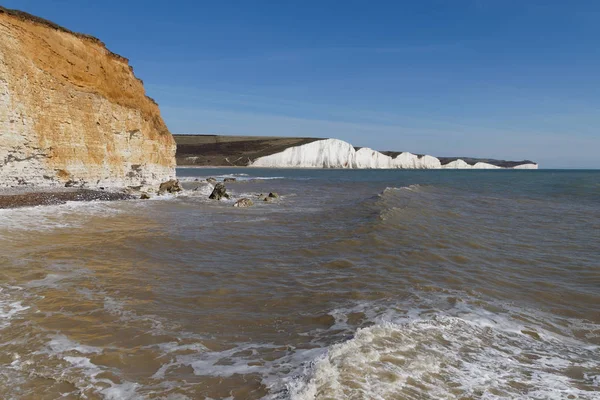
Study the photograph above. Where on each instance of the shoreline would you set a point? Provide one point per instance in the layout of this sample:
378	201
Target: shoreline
18	197
30	197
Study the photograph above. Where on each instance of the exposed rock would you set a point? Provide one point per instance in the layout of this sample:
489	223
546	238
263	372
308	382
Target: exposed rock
170	186
70	110
244	203
268	199
144	196
273	195
211	180
219	192
229	180
72	183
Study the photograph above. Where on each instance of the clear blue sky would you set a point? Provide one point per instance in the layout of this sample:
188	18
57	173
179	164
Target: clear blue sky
490	78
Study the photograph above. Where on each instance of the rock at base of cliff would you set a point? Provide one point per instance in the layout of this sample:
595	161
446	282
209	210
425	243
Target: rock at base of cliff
244	203
219	192
144	196
171	186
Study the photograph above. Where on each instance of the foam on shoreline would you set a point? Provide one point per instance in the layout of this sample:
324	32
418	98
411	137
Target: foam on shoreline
29	197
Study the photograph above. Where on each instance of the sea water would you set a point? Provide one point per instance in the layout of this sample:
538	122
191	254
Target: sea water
361	284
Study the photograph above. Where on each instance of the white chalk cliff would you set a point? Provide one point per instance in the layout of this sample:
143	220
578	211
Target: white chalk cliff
334	153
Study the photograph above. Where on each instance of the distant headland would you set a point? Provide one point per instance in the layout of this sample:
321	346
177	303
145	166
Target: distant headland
304	152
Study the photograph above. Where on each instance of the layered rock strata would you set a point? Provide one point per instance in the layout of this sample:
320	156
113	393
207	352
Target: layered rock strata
73	112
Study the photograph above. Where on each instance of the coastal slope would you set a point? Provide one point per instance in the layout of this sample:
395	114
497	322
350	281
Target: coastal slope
282	152
217	150
72	112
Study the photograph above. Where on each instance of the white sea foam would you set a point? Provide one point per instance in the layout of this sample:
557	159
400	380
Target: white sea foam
118	309
262	178
9	307
473	354
467	351
51	217
410	188
220	178
209	363
470	352
62	344
57	278
201	190
107	388
334	153
192	179
76	367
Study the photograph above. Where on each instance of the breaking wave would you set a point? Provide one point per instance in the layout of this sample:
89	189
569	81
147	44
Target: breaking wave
475	353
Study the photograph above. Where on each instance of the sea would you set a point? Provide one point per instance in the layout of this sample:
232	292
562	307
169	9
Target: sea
352	284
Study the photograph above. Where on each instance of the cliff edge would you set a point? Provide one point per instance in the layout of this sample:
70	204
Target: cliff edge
72	112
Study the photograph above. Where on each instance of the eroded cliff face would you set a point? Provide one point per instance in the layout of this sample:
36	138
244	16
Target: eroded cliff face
72	111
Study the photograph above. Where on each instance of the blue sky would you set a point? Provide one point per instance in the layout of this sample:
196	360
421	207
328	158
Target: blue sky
489	78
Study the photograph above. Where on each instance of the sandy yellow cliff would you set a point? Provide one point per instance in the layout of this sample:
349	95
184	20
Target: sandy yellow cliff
72	111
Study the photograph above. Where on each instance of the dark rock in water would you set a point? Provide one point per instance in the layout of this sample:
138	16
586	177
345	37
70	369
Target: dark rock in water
171	186
268	199
273	195
211	180
219	192
144	196
229	180
196	180
244	203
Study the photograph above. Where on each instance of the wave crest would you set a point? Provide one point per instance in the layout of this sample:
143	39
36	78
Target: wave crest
451	357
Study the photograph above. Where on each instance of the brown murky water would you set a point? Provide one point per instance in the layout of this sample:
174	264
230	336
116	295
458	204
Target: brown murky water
355	284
